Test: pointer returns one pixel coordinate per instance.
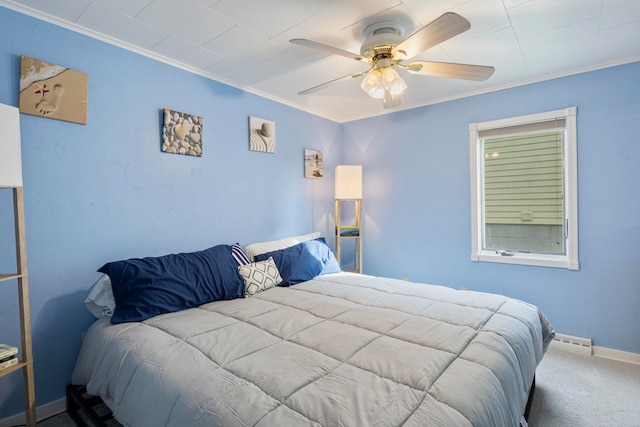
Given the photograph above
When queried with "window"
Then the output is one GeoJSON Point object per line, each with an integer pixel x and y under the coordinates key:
{"type": "Point", "coordinates": [524, 197]}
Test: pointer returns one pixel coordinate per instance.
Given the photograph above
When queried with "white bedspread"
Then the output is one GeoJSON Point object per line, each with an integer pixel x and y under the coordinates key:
{"type": "Point", "coordinates": [340, 350]}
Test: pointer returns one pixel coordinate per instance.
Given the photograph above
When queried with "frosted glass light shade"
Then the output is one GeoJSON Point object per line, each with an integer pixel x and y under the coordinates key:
{"type": "Point", "coordinates": [372, 84]}
{"type": "Point", "coordinates": [392, 81]}
{"type": "Point", "coordinates": [348, 182]}
{"type": "Point", "coordinates": [10, 158]}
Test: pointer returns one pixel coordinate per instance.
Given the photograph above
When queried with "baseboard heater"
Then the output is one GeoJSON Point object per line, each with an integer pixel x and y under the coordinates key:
{"type": "Point", "coordinates": [571, 344]}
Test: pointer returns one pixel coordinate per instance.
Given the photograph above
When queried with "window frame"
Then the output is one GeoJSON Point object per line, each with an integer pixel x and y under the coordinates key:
{"type": "Point", "coordinates": [570, 165]}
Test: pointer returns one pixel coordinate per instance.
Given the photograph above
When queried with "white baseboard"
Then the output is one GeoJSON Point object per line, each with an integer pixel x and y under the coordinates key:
{"type": "Point", "coordinates": [42, 413]}
{"type": "Point", "coordinates": [622, 356]}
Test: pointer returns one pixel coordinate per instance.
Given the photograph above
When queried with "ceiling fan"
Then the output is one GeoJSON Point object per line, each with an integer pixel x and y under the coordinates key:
{"type": "Point", "coordinates": [384, 48]}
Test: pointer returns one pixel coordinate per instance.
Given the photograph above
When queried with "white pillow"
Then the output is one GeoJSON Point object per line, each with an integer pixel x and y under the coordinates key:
{"type": "Point", "coordinates": [274, 245]}
{"type": "Point", "coordinates": [100, 301]}
{"type": "Point", "coordinates": [259, 276]}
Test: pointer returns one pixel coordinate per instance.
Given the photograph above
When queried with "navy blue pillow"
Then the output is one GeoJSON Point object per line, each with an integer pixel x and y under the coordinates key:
{"type": "Point", "coordinates": [146, 287]}
{"type": "Point", "coordinates": [303, 261]}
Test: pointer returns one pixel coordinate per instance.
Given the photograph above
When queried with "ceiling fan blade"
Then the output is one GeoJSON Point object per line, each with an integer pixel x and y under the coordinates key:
{"type": "Point", "coordinates": [477, 73]}
{"type": "Point", "coordinates": [441, 29]}
{"type": "Point", "coordinates": [331, 83]}
{"type": "Point", "coordinates": [329, 49]}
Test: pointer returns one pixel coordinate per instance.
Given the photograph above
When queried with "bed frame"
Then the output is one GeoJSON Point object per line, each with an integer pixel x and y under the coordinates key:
{"type": "Point", "coordinates": [80, 402]}
{"type": "Point", "coordinates": [83, 407]}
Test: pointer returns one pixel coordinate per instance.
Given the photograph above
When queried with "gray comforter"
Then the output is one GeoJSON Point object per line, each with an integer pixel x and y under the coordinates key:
{"type": "Point", "coordinates": [340, 350]}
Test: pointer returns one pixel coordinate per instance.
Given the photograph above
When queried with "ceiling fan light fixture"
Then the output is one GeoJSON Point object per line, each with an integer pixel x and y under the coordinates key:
{"type": "Point", "coordinates": [379, 93]}
{"type": "Point", "coordinates": [372, 84]}
{"type": "Point", "coordinates": [390, 100]}
{"type": "Point", "coordinates": [392, 81]}
{"type": "Point", "coordinates": [381, 83]}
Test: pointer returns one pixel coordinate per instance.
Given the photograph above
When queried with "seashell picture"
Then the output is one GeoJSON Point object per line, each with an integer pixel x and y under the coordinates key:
{"type": "Point", "coordinates": [181, 133]}
{"type": "Point", "coordinates": [262, 135]}
{"type": "Point", "coordinates": [52, 91]}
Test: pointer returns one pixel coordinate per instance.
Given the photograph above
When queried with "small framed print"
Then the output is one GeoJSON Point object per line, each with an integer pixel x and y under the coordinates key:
{"type": "Point", "coordinates": [313, 167]}
{"type": "Point", "coordinates": [262, 135]}
{"type": "Point", "coordinates": [181, 133]}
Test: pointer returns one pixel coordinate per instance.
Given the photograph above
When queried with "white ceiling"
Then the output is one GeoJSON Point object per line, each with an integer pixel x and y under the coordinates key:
{"type": "Point", "coordinates": [245, 43]}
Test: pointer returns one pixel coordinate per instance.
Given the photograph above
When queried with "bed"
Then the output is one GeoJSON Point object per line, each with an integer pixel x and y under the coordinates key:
{"type": "Point", "coordinates": [339, 349]}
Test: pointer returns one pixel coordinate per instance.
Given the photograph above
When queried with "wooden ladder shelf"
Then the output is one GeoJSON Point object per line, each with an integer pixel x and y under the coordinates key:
{"type": "Point", "coordinates": [22, 277]}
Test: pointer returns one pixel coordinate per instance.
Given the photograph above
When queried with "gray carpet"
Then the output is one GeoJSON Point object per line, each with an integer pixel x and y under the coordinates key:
{"type": "Point", "coordinates": [571, 390]}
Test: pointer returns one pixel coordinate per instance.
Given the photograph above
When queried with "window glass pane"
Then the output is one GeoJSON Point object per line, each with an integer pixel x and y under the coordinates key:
{"type": "Point", "coordinates": [523, 187]}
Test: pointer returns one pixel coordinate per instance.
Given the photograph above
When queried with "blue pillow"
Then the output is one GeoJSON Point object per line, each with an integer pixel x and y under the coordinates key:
{"type": "Point", "coordinates": [146, 287]}
{"type": "Point", "coordinates": [303, 261]}
{"type": "Point", "coordinates": [331, 264]}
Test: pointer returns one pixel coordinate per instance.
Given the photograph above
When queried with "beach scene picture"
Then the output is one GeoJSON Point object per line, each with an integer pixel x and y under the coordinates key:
{"type": "Point", "coordinates": [313, 164]}
{"type": "Point", "coordinates": [181, 133]}
{"type": "Point", "coordinates": [52, 91]}
{"type": "Point", "coordinates": [262, 135]}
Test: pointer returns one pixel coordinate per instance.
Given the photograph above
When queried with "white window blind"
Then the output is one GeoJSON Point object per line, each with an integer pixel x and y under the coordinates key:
{"type": "Point", "coordinates": [524, 190]}
{"type": "Point", "coordinates": [523, 179]}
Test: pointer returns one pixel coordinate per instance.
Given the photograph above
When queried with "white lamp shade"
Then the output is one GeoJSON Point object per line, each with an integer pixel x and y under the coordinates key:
{"type": "Point", "coordinates": [348, 182]}
{"type": "Point", "coordinates": [10, 158]}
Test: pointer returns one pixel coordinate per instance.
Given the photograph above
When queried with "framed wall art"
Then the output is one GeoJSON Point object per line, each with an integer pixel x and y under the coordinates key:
{"type": "Point", "coordinates": [181, 133]}
{"type": "Point", "coordinates": [52, 91]}
{"type": "Point", "coordinates": [262, 135]}
{"type": "Point", "coordinates": [313, 167]}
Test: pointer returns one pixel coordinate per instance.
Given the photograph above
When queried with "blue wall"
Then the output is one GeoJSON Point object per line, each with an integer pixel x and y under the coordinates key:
{"type": "Point", "coordinates": [105, 191]}
{"type": "Point", "coordinates": [417, 201]}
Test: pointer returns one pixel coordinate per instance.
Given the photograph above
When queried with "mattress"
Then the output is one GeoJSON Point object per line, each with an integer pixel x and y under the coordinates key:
{"type": "Point", "coordinates": [339, 350]}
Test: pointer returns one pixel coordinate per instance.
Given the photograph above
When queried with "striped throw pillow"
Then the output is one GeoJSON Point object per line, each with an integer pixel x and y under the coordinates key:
{"type": "Point", "coordinates": [238, 254]}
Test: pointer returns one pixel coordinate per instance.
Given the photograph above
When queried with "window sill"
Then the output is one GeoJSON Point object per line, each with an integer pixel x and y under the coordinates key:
{"type": "Point", "coordinates": [556, 261]}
